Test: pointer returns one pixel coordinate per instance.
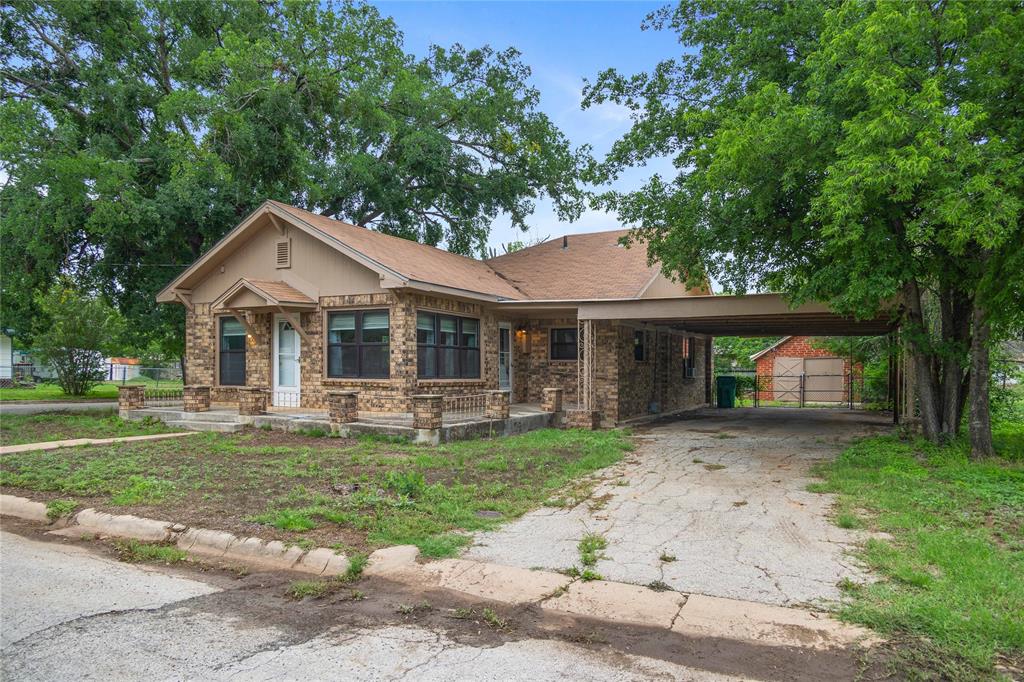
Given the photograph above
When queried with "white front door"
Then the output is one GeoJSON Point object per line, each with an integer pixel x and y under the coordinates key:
{"type": "Point", "coordinates": [287, 348]}
{"type": "Point", "coordinates": [504, 356]}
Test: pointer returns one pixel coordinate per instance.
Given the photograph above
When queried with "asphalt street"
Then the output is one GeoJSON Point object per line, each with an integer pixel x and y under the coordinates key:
{"type": "Point", "coordinates": [72, 612]}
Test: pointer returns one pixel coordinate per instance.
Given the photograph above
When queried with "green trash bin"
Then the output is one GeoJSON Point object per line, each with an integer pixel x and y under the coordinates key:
{"type": "Point", "coordinates": [726, 391]}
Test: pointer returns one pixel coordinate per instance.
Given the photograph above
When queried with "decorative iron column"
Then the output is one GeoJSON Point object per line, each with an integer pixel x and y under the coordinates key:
{"type": "Point", "coordinates": [585, 363]}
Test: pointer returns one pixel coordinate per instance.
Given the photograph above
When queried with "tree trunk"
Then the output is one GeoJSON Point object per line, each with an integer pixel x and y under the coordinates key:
{"type": "Point", "coordinates": [956, 331]}
{"type": "Point", "coordinates": [927, 384]}
{"type": "Point", "coordinates": [980, 415]}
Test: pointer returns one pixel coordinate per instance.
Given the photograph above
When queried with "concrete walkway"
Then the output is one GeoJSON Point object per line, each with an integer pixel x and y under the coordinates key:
{"type": "Point", "coordinates": [75, 442]}
{"type": "Point", "coordinates": [714, 504]}
{"type": "Point", "coordinates": [44, 407]}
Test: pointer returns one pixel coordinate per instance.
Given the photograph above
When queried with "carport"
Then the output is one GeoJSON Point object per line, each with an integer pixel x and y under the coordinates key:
{"type": "Point", "coordinates": [740, 315]}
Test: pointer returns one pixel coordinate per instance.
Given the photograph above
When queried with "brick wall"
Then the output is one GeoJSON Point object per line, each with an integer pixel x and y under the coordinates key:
{"type": "Point", "coordinates": [794, 347]}
{"type": "Point", "coordinates": [660, 377]}
{"type": "Point", "coordinates": [381, 395]}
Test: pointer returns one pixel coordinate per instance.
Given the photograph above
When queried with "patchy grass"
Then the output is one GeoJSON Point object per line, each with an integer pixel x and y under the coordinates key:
{"type": "Point", "coordinates": [16, 429]}
{"type": "Point", "coordinates": [56, 509]}
{"type": "Point", "coordinates": [590, 547]}
{"type": "Point", "coordinates": [952, 588]}
{"type": "Point", "coordinates": [134, 551]}
{"type": "Point", "coordinates": [356, 494]}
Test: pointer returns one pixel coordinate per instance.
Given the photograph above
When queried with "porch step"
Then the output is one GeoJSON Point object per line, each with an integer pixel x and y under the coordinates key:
{"type": "Point", "coordinates": [171, 415]}
{"type": "Point", "coordinates": [197, 425]}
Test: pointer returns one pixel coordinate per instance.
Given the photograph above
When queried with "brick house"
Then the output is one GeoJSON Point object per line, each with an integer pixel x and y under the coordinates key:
{"type": "Point", "coordinates": [297, 303]}
{"type": "Point", "coordinates": [796, 363]}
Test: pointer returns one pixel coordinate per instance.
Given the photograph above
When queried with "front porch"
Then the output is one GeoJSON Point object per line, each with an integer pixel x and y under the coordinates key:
{"type": "Point", "coordinates": [434, 418]}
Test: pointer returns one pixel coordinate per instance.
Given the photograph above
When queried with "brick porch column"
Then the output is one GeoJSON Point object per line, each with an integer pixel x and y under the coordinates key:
{"type": "Point", "coordinates": [343, 407]}
{"type": "Point", "coordinates": [497, 406]}
{"type": "Point", "coordinates": [426, 411]}
{"type": "Point", "coordinates": [130, 398]}
{"type": "Point", "coordinates": [196, 398]}
{"type": "Point", "coordinates": [252, 400]}
{"type": "Point", "coordinates": [552, 400]}
{"type": "Point", "coordinates": [589, 420]}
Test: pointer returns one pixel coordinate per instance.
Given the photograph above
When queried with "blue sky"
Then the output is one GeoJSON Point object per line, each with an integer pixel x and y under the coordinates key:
{"type": "Point", "coordinates": [563, 43]}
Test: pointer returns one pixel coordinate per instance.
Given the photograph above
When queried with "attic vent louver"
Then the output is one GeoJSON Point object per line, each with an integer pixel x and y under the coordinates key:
{"type": "Point", "coordinates": [565, 241]}
{"type": "Point", "coordinates": [284, 253]}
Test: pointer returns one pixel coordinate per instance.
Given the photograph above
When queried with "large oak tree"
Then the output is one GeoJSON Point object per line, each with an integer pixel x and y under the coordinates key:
{"type": "Point", "coordinates": [135, 134]}
{"type": "Point", "coordinates": [856, 152]}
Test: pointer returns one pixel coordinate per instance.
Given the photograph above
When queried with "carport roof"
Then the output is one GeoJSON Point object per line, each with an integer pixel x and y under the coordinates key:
{"type": "Point", "coordinates": [729, 315]}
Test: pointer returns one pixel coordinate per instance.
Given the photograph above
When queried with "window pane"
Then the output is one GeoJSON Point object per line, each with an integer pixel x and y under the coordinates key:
{"type": "Point", "coordinates": [448, 331]}
{"type": "Point", "coordinates": [471, 333]}
{"type": "Point", "coordinates": [449, 367]}
{"type": "Point", "coordinates": [425, 328]}
{"type": "Point", "coordinates": [426, 362]}
{"type": "Point", "coordinates": [563, 344]}
{"type": "Point", "coordinates": [232, 368]}
{"type": "Point", "coordinates": [375, 361]}
{"type": "Point", "coordinates": [375, 326]}
{"type": "Point", "coordinates": [341, 328]}
{"type": "Point", "coordinates": [471, 363]}
{"type": "Point", "coordinates": [232, 334]}
{"type": "Point", "coordinates": [341, 361]}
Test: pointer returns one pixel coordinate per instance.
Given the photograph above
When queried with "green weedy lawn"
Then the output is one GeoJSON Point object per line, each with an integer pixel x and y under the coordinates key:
{"type": "Point", "coordinates": [952, 588]}
{"type": "Point", "coordinates": [105, 391]}
{"type": "Point", "coordinates": [312, 490]}
{"type": "Point", "coordinates": [37, 428]}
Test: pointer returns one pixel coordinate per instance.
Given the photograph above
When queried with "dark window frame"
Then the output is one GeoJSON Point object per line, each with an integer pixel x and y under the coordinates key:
{"type": "Point", "coordinates": [564, 346]}
{"type": "Point", "coordinates": [358, 344]}
{"type": "Point", "coordinates": [465, 369]}
{"type": "Point", "coordinates": [222, 351]}
{"type": "Point", "coordinates": [689, 359]}
{"type": "Point", "coordinates": [640, 346]}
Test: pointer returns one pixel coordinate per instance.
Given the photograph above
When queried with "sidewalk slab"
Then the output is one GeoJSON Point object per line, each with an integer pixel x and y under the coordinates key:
{"type": "Point", "coordinates": [704, 616]}
{"type": "Point", "coordinates": [75, 442]}
{"type": "Point", "coordinates": [506, 584]}
{"type": "Point", "coordinates": [618, 602]}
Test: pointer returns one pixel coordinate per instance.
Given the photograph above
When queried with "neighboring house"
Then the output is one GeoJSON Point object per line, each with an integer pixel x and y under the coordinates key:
{"type": "Point", "coordinates": [123, 369]}
{"type": "Point", "coordinates": [298, 303]}
{"type": "Point", "coordinates": [793, 364]}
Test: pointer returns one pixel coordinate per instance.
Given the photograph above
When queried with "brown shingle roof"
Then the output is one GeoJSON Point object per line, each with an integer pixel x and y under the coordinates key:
{"type": "Point", "coordinates": [280, 291]}
{"type": "Point", "coordinates": [411, 259]}
{"type": "Point", "coordinates": [592, 266]}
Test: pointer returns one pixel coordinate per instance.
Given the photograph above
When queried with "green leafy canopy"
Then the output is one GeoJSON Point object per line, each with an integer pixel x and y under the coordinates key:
{"type": "Point", "coordinates": [134, 134]}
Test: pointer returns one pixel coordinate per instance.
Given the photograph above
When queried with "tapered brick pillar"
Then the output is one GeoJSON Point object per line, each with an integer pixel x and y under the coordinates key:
{"type": "Point", "coordinates": [252, 400]}
{"type": "Point", "coordinates": [427, 411]}
{"type": "Point", "coordinates": [196, 398]}
{"type": "Point", "coordinates": [130, 398]}
{"type": "Point", "coordinates": [497, 406]}
{"type": "Point", "coordinates": [343, 406]}
{"type": "Point", "coordinates": [551, 400]}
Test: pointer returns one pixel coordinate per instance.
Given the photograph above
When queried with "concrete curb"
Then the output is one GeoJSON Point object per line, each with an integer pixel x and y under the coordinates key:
{"type": "Point", "coordinates": [75, 442]}
{"type": "Point", "coordinates": [689, 615]}
{"type": "Point", "coordinates": [198, 542]}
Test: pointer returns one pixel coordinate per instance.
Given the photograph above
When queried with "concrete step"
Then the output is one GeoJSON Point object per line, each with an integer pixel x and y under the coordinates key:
{"type": "Point", "coordinates": [196, 425]}
{"type": "Point", "coordinates": [169, 415]}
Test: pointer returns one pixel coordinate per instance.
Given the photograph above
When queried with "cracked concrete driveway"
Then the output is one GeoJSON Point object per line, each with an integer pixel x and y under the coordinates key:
{"type": "Point", "coordinates": [711, 503]}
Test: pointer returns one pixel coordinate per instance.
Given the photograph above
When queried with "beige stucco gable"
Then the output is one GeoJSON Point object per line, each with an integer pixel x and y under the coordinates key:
{"type": "Point", "coordinates": [315, 268]}
{"type": "Point", "coordinates": [663, 287]}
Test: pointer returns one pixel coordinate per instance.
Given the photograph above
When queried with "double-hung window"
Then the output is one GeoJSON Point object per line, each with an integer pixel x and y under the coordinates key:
{"type": "Point", "coordinates": [231, 345]}
{"type": "Point", "coordinates": [358, 344]}
{"type": "Point", "coordinates": [563, 344]}
{"type": "Point", "coordinates": [447, 347]}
